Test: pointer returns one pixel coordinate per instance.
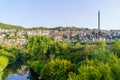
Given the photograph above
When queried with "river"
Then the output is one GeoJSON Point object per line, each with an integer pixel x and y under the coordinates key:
{"type": "Point", "coordinates": [21, 73]}
{"type": "Point", "coordinates": [17, 77]}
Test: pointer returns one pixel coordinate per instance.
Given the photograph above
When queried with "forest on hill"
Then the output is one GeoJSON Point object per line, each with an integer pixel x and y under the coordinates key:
{"type": "Point", "coordinates": [50, 60]}
{"type": "Point", "coordinates": [8, 26]}
{"type": "Point", "coordinates": [57, 28]}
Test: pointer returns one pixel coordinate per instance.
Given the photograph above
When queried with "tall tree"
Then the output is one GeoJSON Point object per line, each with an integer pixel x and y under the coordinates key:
{"type": "Point", "coordinates": [37, 46]}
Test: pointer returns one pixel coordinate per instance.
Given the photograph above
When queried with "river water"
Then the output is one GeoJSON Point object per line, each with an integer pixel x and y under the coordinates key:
{"type": "Point", "coordinates": [17, 77]}
{"type": "Point", "coordinates": [21, 73]}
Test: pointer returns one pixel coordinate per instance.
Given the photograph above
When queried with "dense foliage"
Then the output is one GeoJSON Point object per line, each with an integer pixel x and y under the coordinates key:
{"type": "Point", "coordinates": [51, 60]}
{"type": "Point", "coordinates": [10, 56]}
{"type": "Point", "coordinates": [3, 64]}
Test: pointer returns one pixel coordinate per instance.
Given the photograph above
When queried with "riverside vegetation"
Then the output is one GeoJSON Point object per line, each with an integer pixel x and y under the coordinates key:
{"type": "Point", "coordinates": [51, 60]}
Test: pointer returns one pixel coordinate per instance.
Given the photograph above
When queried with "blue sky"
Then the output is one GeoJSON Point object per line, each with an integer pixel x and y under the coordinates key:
{"type": "Point", "coordinates": [53, 13]}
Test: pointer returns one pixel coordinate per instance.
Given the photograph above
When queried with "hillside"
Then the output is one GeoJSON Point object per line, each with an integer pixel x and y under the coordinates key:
{"type": "Point", "coordinates": [57, 28]}
{"type": "Point", "coordinates": [8, 26]}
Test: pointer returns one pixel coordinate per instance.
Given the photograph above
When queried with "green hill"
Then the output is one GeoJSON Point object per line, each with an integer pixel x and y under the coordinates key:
{"type": "Point", "coordinates": [8, 26]}
{"type": "Point", "coordinates": [57, 28]}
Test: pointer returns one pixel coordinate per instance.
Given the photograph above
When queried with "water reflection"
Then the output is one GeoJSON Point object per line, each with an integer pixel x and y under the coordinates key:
{"type": "Point", "coordinates": [21, 73]}
{"type": "Point", "coordinates": [18, 77]}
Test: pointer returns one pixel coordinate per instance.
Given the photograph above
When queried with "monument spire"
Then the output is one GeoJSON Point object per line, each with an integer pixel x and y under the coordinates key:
{"type": "Point", "coordinates": [98, 20]}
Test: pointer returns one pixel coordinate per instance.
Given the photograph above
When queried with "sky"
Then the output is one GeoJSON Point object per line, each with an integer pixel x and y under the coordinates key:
{"type": "Point", "coordinates": [53, 13]}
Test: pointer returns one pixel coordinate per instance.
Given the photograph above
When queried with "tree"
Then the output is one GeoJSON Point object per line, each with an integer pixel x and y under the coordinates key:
{"type": "Point", "coordinates": [72, 76]}
{"type": "Point", "coordinates": [93, 70]}
{"type": "Point", "coordinates": [37, 46]}
{"type": "Point", "coordinates": [3, 63]}
{"type": "Point", "coordinates": [102, 45]}
{"type": "Point", "coordinates": [89, 73]}
{"type": "Point", "coordinates": [60, 49]}
{"type": "Point", "coordinates": [114, 63]}
{"type": "Point", "coordinates": [101, 55]}
{"type": "Point", "coordinates": [87, 49]}
{"type": "Point", "coordinates": [9, 55]}
{"type": "Point", "coordinates": [57, 69]}
{"type": "Point", "coordinates": [116, 47]}
{"type": "Point", "coordinates": [77, 46]}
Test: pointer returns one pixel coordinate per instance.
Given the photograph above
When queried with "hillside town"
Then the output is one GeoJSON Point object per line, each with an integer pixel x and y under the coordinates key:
{"type": "Point", "coordinates": [70, 35]}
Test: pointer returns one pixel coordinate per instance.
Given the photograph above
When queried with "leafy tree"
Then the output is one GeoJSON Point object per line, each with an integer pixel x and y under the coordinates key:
{"type": "Point", "coordinates": [116, 47]}
{"type": "Point", "coordinates": [93, 70]}
{"type": "Point", "coordinates": [77, 37]}
{"type": "Point", "coordinates": [87, 49]}
{"type": "Point", "coordinates": [102, 55]}
{"type": "Point", "coordinates": [14, 53]}
{"type": "Point", "coordinates": [114, 63]}
{"type": "Point", "coordinates": [3, 63]}
{"type": "Point", "coordinates": [89, 73]}
{"type": "Point", "coordinates": [60, 49]}
{"type": "Point", "coordinates": [77, 46]}
{"type": "Point", "coordinates": [37, 46]}
{"type": "Point", "coordinates": [105, 71]}
{"type": "Point", "coordinates": [7, 54]}
{"type": "Point", "coordinates": [37, 66]}
{"type": "Point", "coordinates": [102, 45]}
{"type": "Point", "coordinates": [73, 76]}
{"type": "Point", "coordinates": [56, 69]}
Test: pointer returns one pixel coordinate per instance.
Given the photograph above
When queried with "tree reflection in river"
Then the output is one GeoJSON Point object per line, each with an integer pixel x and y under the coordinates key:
{"type": "Point", "coordinates": [16, 73]}
{"type": "Point", "coordinates": [18, 77]}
